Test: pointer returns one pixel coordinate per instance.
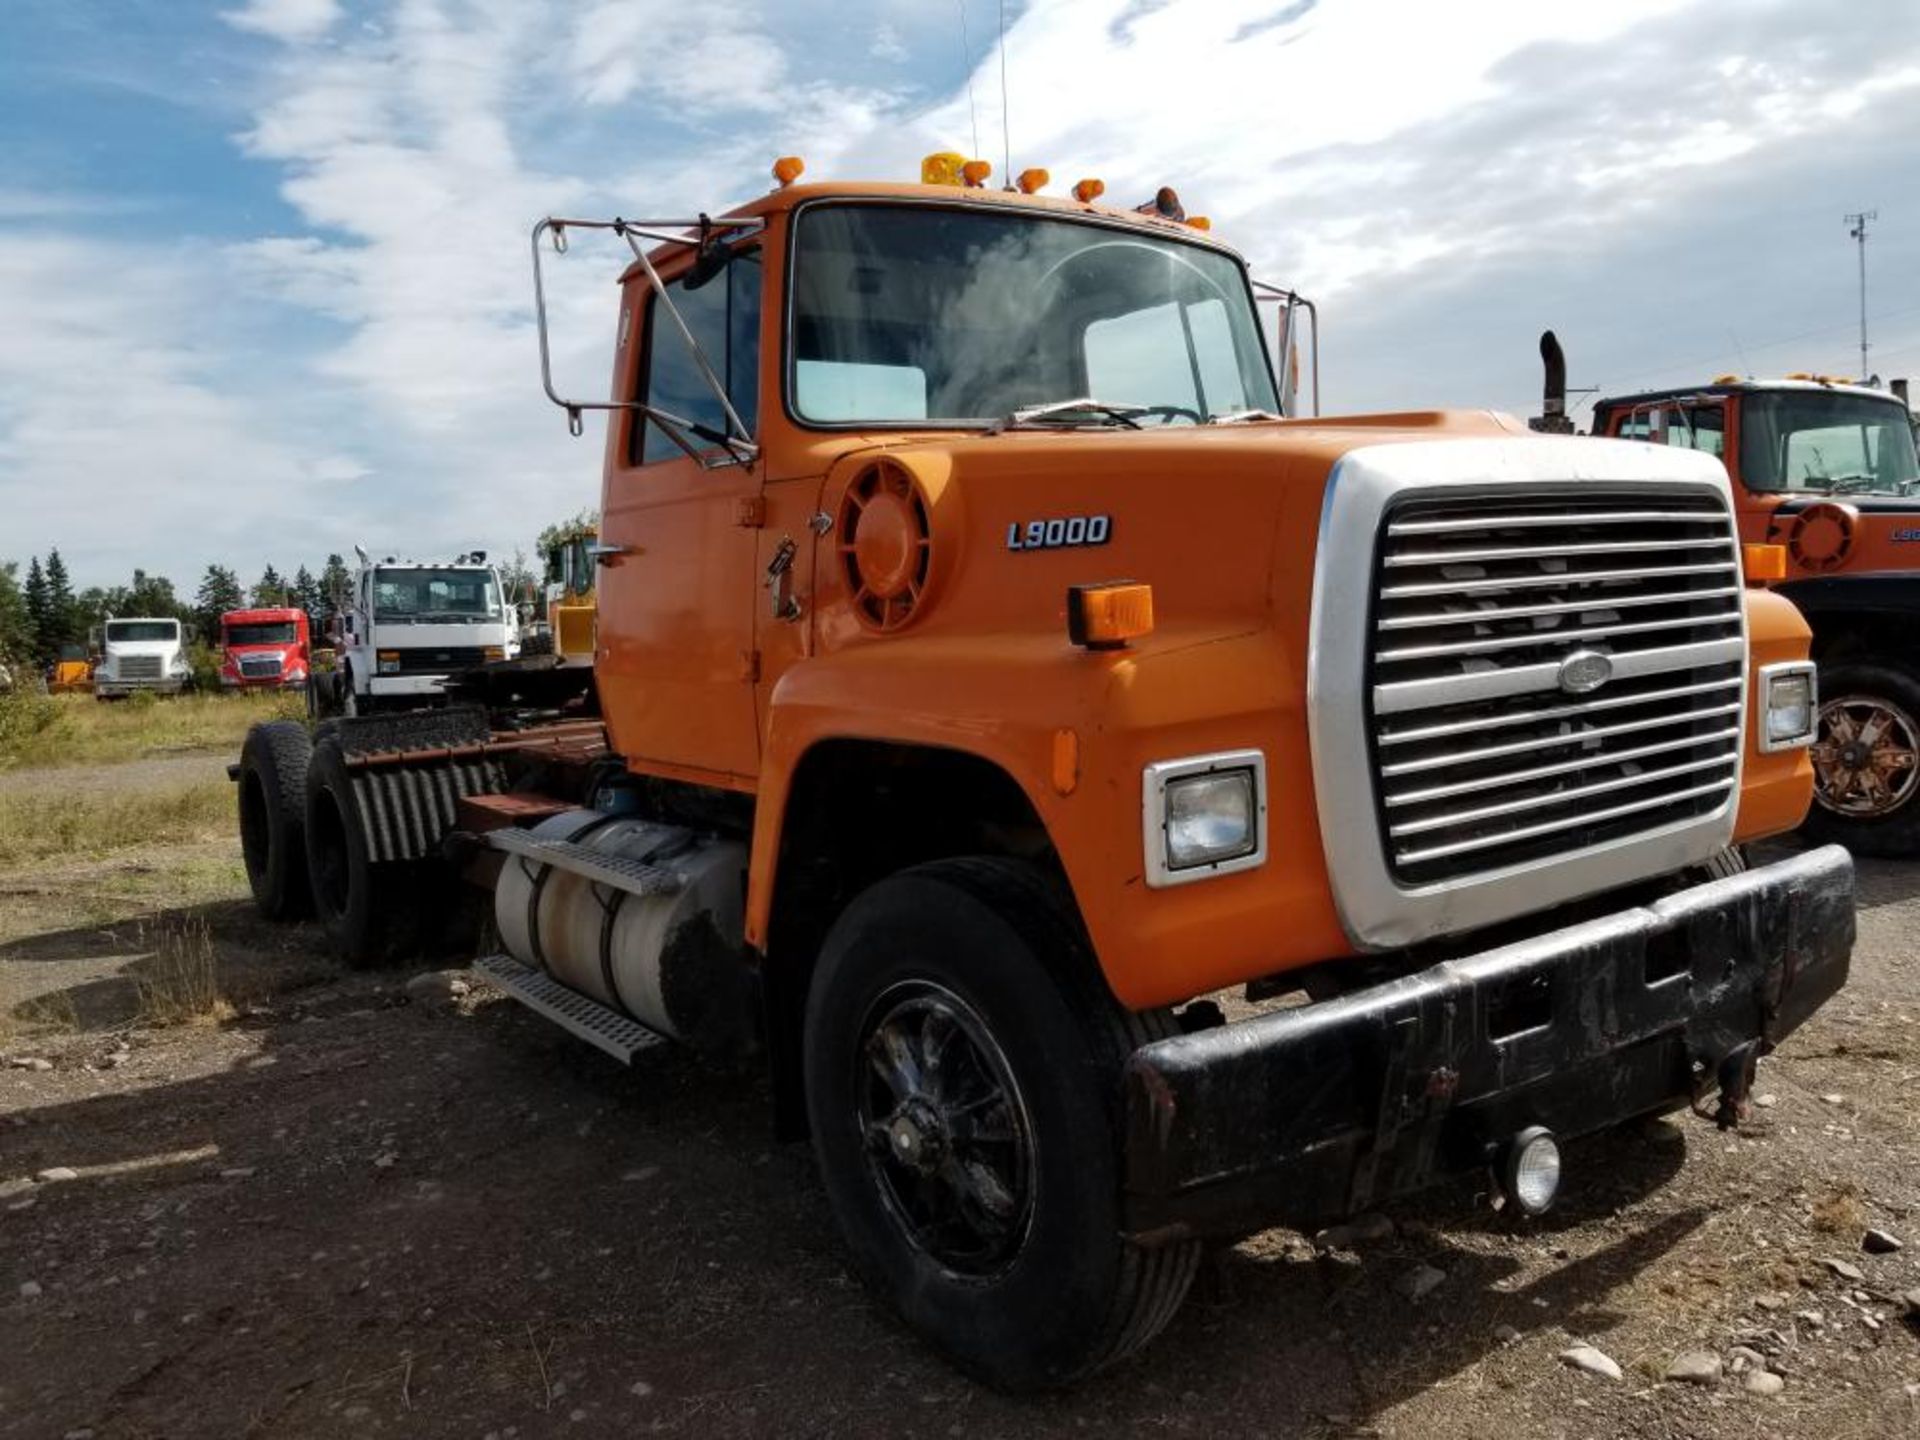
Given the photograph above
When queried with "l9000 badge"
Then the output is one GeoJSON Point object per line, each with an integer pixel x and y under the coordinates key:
{"type": "Point", "coordinates": [1060, 533]}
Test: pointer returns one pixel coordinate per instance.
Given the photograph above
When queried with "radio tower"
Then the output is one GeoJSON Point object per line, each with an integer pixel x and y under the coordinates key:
{"type": "Point", "coordinates": [1859, 233]}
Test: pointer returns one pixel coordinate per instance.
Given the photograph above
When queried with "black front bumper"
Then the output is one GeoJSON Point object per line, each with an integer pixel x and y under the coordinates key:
{"type": "Point", "coordinates": [1305, 1115]}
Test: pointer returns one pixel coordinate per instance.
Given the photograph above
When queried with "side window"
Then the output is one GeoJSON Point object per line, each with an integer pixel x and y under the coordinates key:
{"type": "Point", "coordinates": [724, 316]}
{"type": "Point", "coordinates": [1695, 427]}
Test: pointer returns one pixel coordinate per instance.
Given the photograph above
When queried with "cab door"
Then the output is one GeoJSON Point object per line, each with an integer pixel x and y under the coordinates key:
{"type": "Point", "coordinates": [675, 663]}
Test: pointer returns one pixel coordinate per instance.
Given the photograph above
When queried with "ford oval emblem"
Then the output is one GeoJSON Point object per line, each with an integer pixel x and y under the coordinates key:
{"type": "Point", "coordinates": [1584, 671]}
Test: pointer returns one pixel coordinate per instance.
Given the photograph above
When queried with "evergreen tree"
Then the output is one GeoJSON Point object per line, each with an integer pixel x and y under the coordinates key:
{"type": "Point", "coordinates": [219, 592]}
{"type": "Point", "coordinates": [336, 589]}
{"type": "Point", "coordinates": [150, 595]}
{"type": "Point", "coordinates": [16, 632]}
{"type": "Point", "coordinates": [304, 594]}
{"type": "Point", "coordinates": [270, 590]}
{"type": "Point", "coordinates": [36, 599]}
{"type": "Point", "coordinates": [61, 616]}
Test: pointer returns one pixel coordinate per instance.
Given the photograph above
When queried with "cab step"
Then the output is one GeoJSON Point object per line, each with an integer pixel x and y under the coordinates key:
{"type": "Point", "coordinates": [622, 872]}
{"type": "Point", "coordinates": [593, 1022]}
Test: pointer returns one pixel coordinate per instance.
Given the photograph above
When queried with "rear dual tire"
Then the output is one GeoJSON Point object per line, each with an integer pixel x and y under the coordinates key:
{"type": "Point", "coordinates": [273, 802]}
{"type": "Point", "coordinates": [962, 1060]}
{"type": "Point", "coordinates": [374, 913]}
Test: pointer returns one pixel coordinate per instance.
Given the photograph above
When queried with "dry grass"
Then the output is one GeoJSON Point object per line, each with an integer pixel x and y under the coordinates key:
{"type": "Point", "coordinates": [40, 824]}
{"type": "Point", "coordinates": [181, 983]}
{"type": "Point", "coordinates": [38, 730]}
{"type": "Point", "coordinates": [1839, 1211]}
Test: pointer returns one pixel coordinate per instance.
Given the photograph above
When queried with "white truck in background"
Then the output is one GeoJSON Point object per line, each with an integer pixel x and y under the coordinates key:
{"type": "Point", "coordinates": [141, 653]}
{"type": "Point", "coordinates": [405, 626]}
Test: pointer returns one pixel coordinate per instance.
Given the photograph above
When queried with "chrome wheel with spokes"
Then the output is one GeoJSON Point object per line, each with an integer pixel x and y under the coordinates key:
{"type": "Point", "coordinates": [949, 1141]}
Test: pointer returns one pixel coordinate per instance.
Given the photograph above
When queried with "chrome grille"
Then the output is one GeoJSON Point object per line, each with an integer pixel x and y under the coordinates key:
{"type": "Point", "coordinates": [1481, 758]}
{"type": "Point", "coordinates": [139, 667]}
{"type": "Point", "coordinates": [259, 667]}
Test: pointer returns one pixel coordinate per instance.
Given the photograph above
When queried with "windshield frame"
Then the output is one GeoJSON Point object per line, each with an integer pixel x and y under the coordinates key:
{"type": "Point", "coordinates": [497, 599]}
{"type": "Point", "coordinates": [1198, 240]}
{"type": "Point", "coordinates": [228, 631]}
{"type": "Point", "coordinates": [1901, 418]}
{"type": "Point", "coordinates": [107, 637]}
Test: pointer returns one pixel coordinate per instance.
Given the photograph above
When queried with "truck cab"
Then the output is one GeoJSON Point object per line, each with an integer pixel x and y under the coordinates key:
{"type": "Point", "coordinates": [1825, 470]}
{"type": "Point", "coordinates": [408, 625]}
{"type": "Point", "coordinates": [265, 649]}
{"type": "Point", "coordinates": [1117, 813]}
{"type": "Point", "coordinates": [141, 654]}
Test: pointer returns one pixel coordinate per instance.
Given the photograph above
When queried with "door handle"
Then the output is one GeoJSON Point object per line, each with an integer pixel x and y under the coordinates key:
{"type": "Point", "coordinates": [605, 554]}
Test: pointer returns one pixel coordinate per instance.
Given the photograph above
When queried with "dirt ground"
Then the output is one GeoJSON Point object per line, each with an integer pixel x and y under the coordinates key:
{"type": "Point", "coordinates": [338, 1210]}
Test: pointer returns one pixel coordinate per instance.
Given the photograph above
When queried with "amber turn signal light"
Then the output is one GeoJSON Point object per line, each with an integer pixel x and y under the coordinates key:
{"type": "Point", "coordinates": [1106, 617]}
{"type": "Point", "coordinates": [1763, 563]}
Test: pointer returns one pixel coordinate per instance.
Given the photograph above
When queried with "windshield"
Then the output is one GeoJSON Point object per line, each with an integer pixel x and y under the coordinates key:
{"type": "Point", "coordinates": [1827, 441]}
{"type": "Point", "coordinates": [426, 593]}
{"type": "Point", "coordinates": [122, 630]}
{"type": "Point", "coordinates": [267, 632]}
{"type": "Point", "coordinates": [936, 314]}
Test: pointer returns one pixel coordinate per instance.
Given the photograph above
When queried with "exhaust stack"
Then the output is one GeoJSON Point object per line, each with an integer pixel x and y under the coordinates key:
{"type": "Point", "coordinates": [1552, 419]}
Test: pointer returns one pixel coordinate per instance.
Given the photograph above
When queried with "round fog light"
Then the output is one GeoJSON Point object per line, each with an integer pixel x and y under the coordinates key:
{"type": "Point", "coordinates": [1530, 1174]}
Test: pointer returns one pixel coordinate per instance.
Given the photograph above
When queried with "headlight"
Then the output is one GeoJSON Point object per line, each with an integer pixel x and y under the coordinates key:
{"type": "Point", "coordinates": [178, 665]}
{"type": "Point", "coordinates": [1205, 816]}
{"type": "Point", "coordinates": [389, 662]}
{"type": "Point", "coordinates": [1790, 700]}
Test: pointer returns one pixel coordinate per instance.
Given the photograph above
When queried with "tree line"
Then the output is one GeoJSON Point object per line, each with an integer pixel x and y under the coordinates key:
{"type": "Point", "coordinates": [41, 613]}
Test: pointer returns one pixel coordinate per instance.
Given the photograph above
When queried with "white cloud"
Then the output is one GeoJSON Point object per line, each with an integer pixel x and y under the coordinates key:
{"type": "Point", "coordinates": [1658, 175]}
{"type": "Point", "coordinates": [288, 20]}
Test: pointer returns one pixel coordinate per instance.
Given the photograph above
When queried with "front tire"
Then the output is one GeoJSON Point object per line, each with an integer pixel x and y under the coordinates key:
{"type": "Point", "coordinates": [1866, 760]}
{"type": "Point", "coordinates": [962, 1060]}
{"type": "Point", "coordinates": [273, 818]}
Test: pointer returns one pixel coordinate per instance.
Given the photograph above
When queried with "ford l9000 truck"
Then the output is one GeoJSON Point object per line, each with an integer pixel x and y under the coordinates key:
{"type": "Point", "coordinates": [1117, 813]}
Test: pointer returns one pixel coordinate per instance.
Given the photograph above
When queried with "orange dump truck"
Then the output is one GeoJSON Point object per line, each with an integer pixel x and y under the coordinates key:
{"type": "Point", "coordinates": [998, 691]}
{"type": "Point", "coordinates": [1825, 469]}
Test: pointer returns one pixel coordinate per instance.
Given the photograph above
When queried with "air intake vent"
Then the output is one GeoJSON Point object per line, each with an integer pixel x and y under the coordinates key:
{"type": "Point", "coordinates": [1551, 674]}
{"type": "Point", "coordinates": [885, 546]}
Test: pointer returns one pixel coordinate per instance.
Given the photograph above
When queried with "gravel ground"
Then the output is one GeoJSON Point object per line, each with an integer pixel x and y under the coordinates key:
{"type": "Point", "coordinates": [356, 1210]}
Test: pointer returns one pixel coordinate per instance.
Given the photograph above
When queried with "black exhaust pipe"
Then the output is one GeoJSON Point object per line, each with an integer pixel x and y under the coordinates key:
{"type": "Point", "coordinates": [1552, 419]}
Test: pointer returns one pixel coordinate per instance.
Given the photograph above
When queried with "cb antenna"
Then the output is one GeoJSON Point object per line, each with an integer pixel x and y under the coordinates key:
{"type": "Point", "coordinates": [1859, 233]}
{"type": "Point", "coordinates": [966, 55]}
{"type": "Point", "coordinates": [1006, 125]}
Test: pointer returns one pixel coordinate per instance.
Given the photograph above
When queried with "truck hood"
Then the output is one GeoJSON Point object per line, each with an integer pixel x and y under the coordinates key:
{"type": "Point", "coordinates": [118, 648]}
{"type": "Point", "coordinates": [1219, 520]}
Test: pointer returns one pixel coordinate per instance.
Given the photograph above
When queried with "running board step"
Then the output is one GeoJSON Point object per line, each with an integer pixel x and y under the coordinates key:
{"type": "Point", "coordinates": [593, 1022]}
{"type": "Point", "coordinates": [636, 877]}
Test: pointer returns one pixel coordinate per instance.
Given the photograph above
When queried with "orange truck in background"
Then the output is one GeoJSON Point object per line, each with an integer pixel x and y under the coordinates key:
{"type": "Point", "coordinates": [1824, 471]}
{"type": "Point", "coordinates": [998, 690]}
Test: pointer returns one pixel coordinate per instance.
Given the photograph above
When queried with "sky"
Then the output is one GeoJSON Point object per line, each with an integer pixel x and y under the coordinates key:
{"type": "Point", "coordinates": [263, 263]}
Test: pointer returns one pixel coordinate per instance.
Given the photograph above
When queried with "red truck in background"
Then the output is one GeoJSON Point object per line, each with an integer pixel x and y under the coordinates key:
{"type": "Point", "coordinates": [265, 649]}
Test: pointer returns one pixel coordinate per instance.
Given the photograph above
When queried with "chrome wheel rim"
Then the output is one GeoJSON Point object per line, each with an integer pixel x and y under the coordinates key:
{"type": "Point", "coordinates": [948, 1140]}
{"type": "Point", "coordinates": [1866, 758]}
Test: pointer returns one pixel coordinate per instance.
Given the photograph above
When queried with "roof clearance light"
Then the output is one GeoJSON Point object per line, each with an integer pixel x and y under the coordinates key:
{"type": "Point", "coordinates": [975, 173]}
{"type": "Point", "coordinates": [1165, 203]}
{"type": "Point", "coordinates": [1088, 190]}
{"type": "Point", "coordinates": [1726, 379]}
{"type": "Point", "coordinates": [1033, 181]}
{"type": "Point", "coordinates": [1200, 222]}
{"type": "Point", "coordinates": [787, 169]}
{"type": "Point", "coordinates": [942, 168]}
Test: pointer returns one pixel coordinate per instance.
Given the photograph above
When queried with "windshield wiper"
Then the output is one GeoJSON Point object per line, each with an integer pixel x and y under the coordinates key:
{"type": "Point", "coordinates": [1055, 412]}
{"type": "Point", "coordinates": [1240, 417]}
